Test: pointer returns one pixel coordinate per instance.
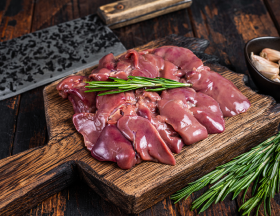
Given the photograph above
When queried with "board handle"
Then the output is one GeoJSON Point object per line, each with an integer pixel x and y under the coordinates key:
{"type": "Point", "coordinates": [126, 12]}
{"type": "Point", "coordinates": [33, 175]}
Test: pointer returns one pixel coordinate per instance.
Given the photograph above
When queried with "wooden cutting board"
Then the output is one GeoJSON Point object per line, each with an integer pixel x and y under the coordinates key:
{"type": "Point", "coordinates": [31, 176]}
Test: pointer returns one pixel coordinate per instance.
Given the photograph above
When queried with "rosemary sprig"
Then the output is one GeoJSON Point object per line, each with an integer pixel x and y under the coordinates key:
{"type": "Point", "coordinates": [132, 83]}
{"type": "Point", "coordinates": [260, 165]}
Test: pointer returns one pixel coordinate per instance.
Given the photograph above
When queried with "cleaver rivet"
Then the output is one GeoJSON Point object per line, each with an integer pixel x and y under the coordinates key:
{"type": "Point", "coordinates": [120, 7]}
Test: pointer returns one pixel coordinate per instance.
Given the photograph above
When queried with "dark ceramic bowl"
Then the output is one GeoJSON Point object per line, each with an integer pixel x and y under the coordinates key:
{"type": "Point", "coordinates": [265, 85]}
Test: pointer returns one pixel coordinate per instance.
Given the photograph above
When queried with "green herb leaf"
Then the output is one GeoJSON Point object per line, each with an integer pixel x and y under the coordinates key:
{"type": "Point", "coordinates": [260, 165]}
{"type": "Point", "coordinates": [133, 82]}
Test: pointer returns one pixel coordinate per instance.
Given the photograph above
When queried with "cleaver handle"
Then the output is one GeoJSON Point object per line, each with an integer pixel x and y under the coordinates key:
{"type": "Point", "coordinates": [126, 12]}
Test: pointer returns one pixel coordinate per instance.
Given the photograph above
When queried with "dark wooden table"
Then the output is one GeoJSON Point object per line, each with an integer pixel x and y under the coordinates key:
{"type": "Point", "coordinates": [227, 24]}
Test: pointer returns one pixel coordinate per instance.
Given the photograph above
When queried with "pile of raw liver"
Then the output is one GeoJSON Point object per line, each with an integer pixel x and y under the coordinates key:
{"type": "Point", "coordinates": [131, 127]}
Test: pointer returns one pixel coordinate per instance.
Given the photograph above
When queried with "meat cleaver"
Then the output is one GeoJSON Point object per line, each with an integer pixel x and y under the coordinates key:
{"type": "Point", "coordinates": [46, 55]}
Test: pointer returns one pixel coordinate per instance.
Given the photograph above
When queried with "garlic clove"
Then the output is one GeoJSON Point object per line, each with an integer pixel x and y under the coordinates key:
{"type": "Point", "coordinates": [277, 79]}
{"type": "Point", "coordinates": [270, 54]}
{"type": "Point", "coordinates": [267, 68]}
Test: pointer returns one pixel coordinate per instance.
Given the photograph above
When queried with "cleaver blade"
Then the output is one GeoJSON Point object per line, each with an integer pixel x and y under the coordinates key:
{"type": "Point", "coordinates": [46, 55]}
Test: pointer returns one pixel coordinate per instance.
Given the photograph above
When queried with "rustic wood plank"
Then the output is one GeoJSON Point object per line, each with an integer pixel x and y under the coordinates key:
{"type": "Point", "coordinates": [54, 205]}
{"type": "Point", "coordinates": [165, 207]}
{"type": "Point", "coordinates": [56, 159]}
{"type": "Point", "coordinates": [15, 20]}
{"type": "Point", "coordinates": [227, 207]}
{"type": "Point", "coordinates": [146, 31]}
{"type": "Point", "coordinates": [53, 201]}
{"type": "Point", "coordinates": [137, 34]}
{"type": "Point", "coordinates": [120, 179]}
{"type": "Point", "coordinates": [32, 129]}
{"type": "Point", "coordinates": [49, 13]}
{"type": "Point", "coordinates": [141, 33]}
{"type": "Point", "coordinates": [70, 201]}
{"type": "Point", "coordinates": [161, 28]}
{"type": "Point", "coordinates": [228, 26]}
{"type": "Point", "coordinates": [8, 110]}
{"type": "Point", "coordinates": [84, 201]}
{"type": "Point", "coordinates": [49, 169]}
{"type": "Point", "coordinates": [46, 16]}
{"type": "Point", "coordinates": [87, 7]}
{"type": "Point", "coordinates": [169, 29]}
{"type": "Point", "coordinates": [273, 6]}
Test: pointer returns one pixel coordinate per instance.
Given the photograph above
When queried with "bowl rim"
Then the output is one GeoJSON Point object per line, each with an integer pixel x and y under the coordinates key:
{"type": "Point", "coordinates": [247, 56]}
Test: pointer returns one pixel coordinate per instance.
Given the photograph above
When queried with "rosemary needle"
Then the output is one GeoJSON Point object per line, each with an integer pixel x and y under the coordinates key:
{"type": "Point", "coordinates": [132, 83]}
{"type": "Point", "coordinates": [260, 165]}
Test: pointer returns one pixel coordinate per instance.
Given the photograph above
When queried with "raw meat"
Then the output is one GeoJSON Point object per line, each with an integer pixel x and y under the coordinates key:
{"type": "Point", "coordinates": [147, 105]}
{"type": "Point", "coordinates": [129, 64]}
{"type": "Point", "coordinates": [91, 125]}
{"type": "Point", "coordinates": [178, 115]}
{"type": "Point", "coordinates": [105, 67]}
{"type": "Point", "coordinates": [183, 58]}
{"type": "Point", "coordinates": [73, 87]}
{"type": "Point", "coordinates": [232, 102]}
{"type": "Point", "coordinates": [113, 146]}
{"type": "Point", "coordinates": [130, 127]}
{"type": "Point", "coordinates": [146, 139]}
{"type": "Point", "coordinates": [204, 108]}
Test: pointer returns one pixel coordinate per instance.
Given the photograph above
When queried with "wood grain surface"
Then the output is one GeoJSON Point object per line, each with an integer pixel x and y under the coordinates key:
{"type": "Point", "coordinates": [228, 25]}
{"type": "Point", "coordinates": [29, 177]}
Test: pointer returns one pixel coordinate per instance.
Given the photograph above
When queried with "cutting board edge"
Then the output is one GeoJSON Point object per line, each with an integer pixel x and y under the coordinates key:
{"type": "Point", "coordinates": [136, 203]}
{"type": "Point", "coordinates": [133, 202]}
{"type": "Point", "coordinates": [143, 206]}
{"type": "Point", "coordinates": [139, 209]}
